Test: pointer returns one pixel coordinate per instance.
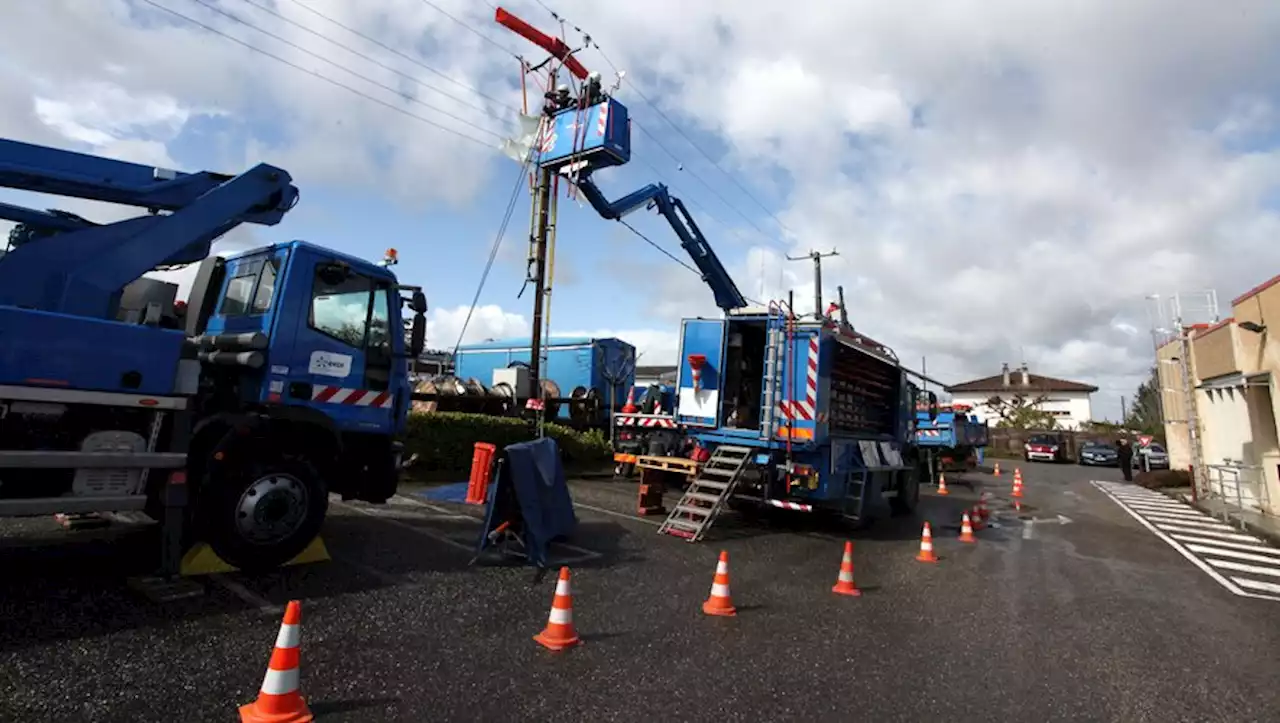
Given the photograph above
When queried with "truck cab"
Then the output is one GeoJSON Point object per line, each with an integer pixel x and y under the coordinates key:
{"type": "Point", "coordinates": [306, 347]}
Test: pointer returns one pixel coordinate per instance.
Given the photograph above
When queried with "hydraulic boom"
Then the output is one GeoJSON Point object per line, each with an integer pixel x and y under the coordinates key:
{"type": "Point", "coordinates": [715, 275]}
{"type": "Point", "coordinates": [63, 263]}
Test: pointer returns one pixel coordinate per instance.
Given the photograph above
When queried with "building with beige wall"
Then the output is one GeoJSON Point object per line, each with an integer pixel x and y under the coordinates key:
{"type": "Point", "coordinates": [1233, 367]}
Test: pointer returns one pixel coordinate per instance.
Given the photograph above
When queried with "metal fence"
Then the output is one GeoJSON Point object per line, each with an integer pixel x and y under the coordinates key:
{"type": "Point", "coordinates": [1237, 485]}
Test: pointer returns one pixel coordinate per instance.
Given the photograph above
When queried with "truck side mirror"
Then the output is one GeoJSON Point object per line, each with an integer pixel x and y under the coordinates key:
{"type": "Point", "coordinates": [418, 335]}
{"type": "Point", "coordinates": [418, 302]}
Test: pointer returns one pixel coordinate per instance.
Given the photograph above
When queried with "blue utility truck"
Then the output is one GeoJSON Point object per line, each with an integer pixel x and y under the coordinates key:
{"type": "Point", "coordinates": [952, 441]}
{"type": "Point", "coordinates": [803, 414]}
{"type": "Point", "coordinates": [229, 416]}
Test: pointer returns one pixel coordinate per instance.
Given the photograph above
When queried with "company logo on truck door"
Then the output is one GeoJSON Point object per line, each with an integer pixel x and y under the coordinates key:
{"type": "Point", "coordinates": [329, 364]}
{"type": "Point", "coordinates": [808, 408]}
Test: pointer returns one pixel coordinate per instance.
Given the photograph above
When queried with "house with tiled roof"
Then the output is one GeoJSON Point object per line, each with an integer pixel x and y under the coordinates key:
{"type": "Point", "coordinates": [1069, 402]}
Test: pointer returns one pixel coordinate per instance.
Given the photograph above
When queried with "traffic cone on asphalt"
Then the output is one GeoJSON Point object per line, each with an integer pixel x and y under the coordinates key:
{"type": "Point", "coordinates": [966, 529]}
{"type": "Point", "coordinates": [280, 700]}
{"type": "Point", "coordinates": [976, 518]}
{"type": "Point", "coordinates": [996, 472]}
{"type": "Point", "coordinates": [926, 545]}
{"type": "Point", "coordinates": [942, 484]}
{"type": "Point", "coordinates": [983, 512]}
{"type": "Point", "coordinates": [719, 602]}
{"type": "Point", "coordinates": [844, 581]}
{"type": "Point", "coordinates": [1017, 486]}
{"type": "Point", "coordinates": [560, 633]}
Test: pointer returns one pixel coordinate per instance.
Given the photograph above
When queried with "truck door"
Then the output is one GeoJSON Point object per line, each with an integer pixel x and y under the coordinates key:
{"type": "Point", "coordinates": [701, 371]}
{"type": "Point", "coordinates": [343, 353]}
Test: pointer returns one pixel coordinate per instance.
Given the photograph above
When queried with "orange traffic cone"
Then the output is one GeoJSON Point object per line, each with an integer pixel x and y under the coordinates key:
{"type": "Point", "coordinates": [280, 700]}
{"type": "Point", "coordinates": [719, 602]}
{"type": "Point", "coordinates": [942, 484]}
{"type": "Point", "coordinates": [844, 581]}
{"type": "Point", "coordinates": [1017, 486]}
{"type": "Point", "coordinates": [966, 529]}
{"type": "Point", "coordinates": [560, 633]}
{"type": "Point", "coordinates": [983, 512]}
{"type": "Point", "coordinates": [630, 406]}
{"type": "Point", "coordinates": [976, 518]}
{"type": "Point", "coordinates": [926, 545]}
{"type": "Point", "coordinates": [996, 472]}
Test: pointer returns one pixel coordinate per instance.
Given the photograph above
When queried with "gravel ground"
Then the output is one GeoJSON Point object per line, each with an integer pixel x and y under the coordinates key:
{"type": "Point", "coordinates": [1092, 620]}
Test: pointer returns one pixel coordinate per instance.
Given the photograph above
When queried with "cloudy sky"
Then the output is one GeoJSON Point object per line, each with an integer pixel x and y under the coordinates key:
{"type": "Point", "coordinates": [1002, 179]}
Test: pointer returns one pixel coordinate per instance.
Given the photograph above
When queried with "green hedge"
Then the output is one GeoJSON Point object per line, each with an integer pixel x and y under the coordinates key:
{"type": "Point", "coordinates": [1163, 479]}
{"type": "Point", "coordinates": [445, 441]}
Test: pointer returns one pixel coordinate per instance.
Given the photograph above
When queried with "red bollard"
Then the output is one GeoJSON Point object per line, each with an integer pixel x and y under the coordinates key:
{"type": "Point", "coordinates": [481, 472]}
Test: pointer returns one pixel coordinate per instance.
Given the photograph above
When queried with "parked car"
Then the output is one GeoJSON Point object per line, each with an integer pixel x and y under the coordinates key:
{"type": "Point", "coordinates": [1044, 448]}
{"type": "Point", "coordinates": [1099, 454]}
{"type": "Point", "coordinates": [1156, 455]}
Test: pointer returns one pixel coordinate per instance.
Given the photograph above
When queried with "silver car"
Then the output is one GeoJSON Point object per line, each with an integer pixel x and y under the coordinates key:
{"type": "Point", "coordinates": [1154, 456]}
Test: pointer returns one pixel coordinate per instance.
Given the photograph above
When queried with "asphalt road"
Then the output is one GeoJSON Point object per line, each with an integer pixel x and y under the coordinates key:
{"type": "Point", "coordinates": [1069, 610]}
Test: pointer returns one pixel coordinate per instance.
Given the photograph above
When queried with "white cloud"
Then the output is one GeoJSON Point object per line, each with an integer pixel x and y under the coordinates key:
{"type": "Point", "coordinates": [487, 322]}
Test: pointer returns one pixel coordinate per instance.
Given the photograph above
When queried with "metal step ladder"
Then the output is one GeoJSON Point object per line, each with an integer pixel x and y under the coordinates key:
{"type": "Point", "coordinates": [701, 503]}
{"type": "Point", "coordinates": [854, 495]}
{"type": "Point", "coordinates": [773, 386]}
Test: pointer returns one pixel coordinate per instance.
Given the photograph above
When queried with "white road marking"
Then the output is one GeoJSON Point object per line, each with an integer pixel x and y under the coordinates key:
{"type": "Point", "coordinates": [1241, 567]}
{"type": "Point", "coordinates": [1258, 585]}
{"type": "Point", "coordinates": [1255, 547]}
{"type": "Point", "coordinates": [1235, 554]}
{"type": "Point", "coordinates": [1202, 531]}
{"type": "Point", "coordinates": [1207, 540]}
{"type": "Point", "coordinates": [1189, 522]}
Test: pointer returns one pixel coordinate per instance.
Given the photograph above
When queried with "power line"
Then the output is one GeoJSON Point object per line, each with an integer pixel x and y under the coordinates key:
{"type": "Point", "coordinates": [596, 45]}
{"type": "Point", "coordinates": [472, 29]}
{"type": "Point", "coordinates": [343, 68]}
{"type": "Point", "coordinates": [379, 63]}
{"type": "Point", "coordinates": [315, 74]}
{"type": "Point", "coordinates": [691, 142]}
{"type": "Point", "coordinates": [709, 187]}
{"type": "Point", "coordinates": [657, 246]}
{"type": "Point", "coordinates": [406, 56]}
{"type": "Point", "coordinates": [402, 111]}
{"type": "Point", "coordinates": [493, 251]}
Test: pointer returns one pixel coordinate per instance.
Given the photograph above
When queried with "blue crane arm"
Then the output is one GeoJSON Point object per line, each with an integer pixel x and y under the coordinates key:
{"type": "Point", "coordinates": [63, 263]}
{"type": "Point", "coordinates": [695, 244]}
{"type": "Point", "coordinates": [28, 167]}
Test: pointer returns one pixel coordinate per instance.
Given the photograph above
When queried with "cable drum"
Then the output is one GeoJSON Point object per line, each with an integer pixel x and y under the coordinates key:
{"type": "Point", "coordinates": [585, 404]}
{"type": "Point", "coordinates": [425, 386]}
{"type": "Point", "coordinates": [551, 390]}
{"type": "Point", "coordinates": [502, 398]}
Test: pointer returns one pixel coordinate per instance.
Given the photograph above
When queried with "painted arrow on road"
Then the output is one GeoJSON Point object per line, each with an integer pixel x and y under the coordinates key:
{"type": "Point", "coordinates": [1059, 520]}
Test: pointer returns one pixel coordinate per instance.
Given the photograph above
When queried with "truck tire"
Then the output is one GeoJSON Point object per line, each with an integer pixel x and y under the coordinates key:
{"type": "Point", "coordinates": [260, 515]}
{"type": "Point", "coordinates": [908, 496]}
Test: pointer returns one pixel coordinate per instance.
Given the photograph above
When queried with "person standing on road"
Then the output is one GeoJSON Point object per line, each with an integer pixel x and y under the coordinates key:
{"type": "Point", "coordinates": [1125, 454]}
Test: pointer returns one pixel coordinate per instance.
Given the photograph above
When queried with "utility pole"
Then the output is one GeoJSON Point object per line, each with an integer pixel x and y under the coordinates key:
{"type": "Point", "coordinates": [817, 276]}
{"type": "Point", "coordinates": [540, 231]}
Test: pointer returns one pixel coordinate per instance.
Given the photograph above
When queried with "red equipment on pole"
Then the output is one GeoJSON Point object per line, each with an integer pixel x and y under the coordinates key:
{"type": "Point", "coordinates": [555, 46]}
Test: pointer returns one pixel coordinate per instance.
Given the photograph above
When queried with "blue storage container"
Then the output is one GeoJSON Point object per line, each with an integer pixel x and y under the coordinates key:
{"type": "Point", "coordinates": [571, 362]}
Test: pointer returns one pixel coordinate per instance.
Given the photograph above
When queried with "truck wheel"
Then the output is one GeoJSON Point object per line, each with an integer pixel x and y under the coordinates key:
{"type": "Point", "coordinates": [908, 496]}
{"type": "Point", "coordinates": [260, 516]}
{"type": "Point", "coordinates": [625, 470]}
